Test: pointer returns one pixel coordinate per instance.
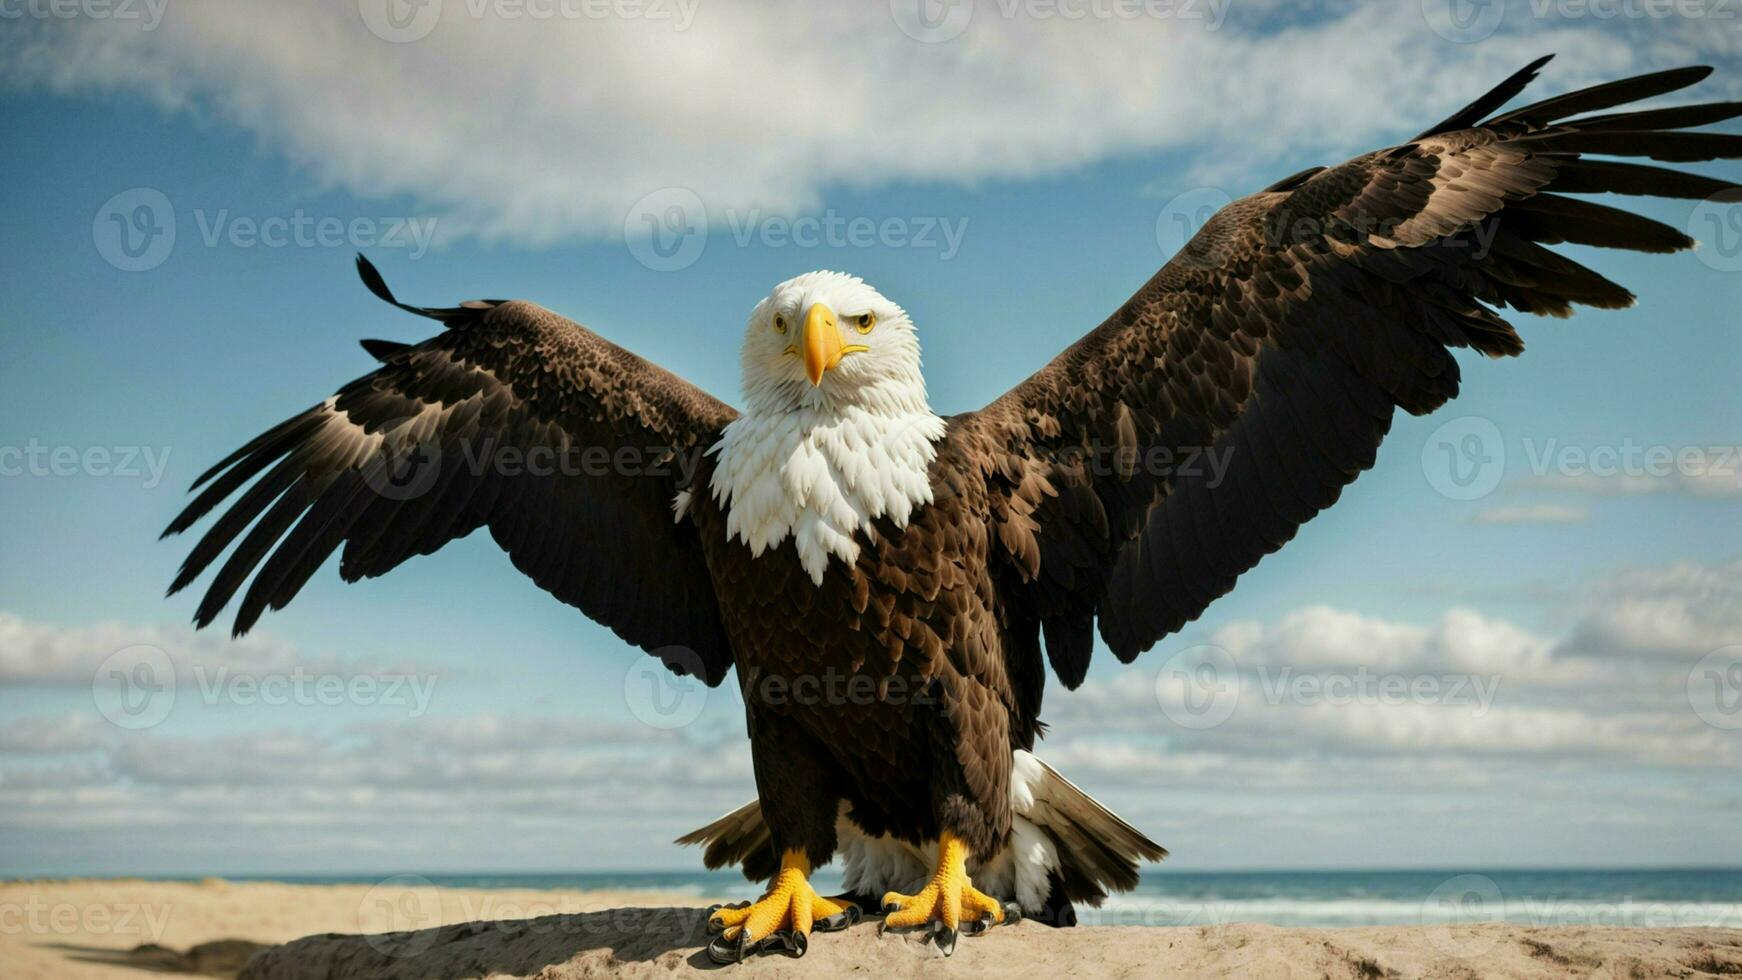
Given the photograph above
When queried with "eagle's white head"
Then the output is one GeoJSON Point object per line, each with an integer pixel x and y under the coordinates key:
{"type": "Point", "coordinates": [828, 340]}
{"type": "Point", "coordinates": [836, 430]}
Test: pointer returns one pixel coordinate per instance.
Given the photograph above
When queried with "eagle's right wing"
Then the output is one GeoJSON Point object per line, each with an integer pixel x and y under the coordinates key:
{"type": "Point", "coordinates": [1148, 466]}
{"type": "Point", "coordinates": [569, 448]}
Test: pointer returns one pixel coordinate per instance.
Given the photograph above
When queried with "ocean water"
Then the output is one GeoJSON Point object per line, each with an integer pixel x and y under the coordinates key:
{"type": "Point", "coordinates": [1657, 898]}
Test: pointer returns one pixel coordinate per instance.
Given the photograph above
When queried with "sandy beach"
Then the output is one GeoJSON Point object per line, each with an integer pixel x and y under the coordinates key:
{"type": "Point", "coordinates": [83, 928]}
{"type": "Point", "coordinates": [405, 928]}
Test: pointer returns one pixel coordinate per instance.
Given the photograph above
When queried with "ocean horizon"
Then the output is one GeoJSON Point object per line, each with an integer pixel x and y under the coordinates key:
{"type": "Point", "coordinates": [1648, 898]}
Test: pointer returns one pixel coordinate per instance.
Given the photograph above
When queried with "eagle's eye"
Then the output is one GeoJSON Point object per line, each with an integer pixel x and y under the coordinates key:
{"type": "Point", "coordinates": [779, 323]}
{"type": "Point", "coordinates": [865, 321]}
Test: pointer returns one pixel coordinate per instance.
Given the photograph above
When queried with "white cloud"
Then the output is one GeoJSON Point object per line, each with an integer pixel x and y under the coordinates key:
{"type": "Point", "coordinates": [52, 654]}
{"type": "Point", "coordinates": [1553, 728]}
{"type": "Point", "coordinates": [1709, 483]}
{"type": "Point", "coordinates": [1681, 611]}
{"type": "Point", "coordinates": [1610, 687]}
{"type": "Point", "coordinates": [481, 791]}
{"type": "Point", "coordinates": [1322, 636]}
{"type": "Point", "coordinates": [52, 735]}
{"type": "Point", "coordinates": [1630, 469]}
{"type": "Point", "coordinates": [48, 653]}
{"type": "Point", "coordinates": [541, 129]}
{"type": "Point", "coordinates": [1534, 514]}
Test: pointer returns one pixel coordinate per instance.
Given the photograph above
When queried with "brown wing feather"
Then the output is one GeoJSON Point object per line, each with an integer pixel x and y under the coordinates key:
{"type": "Point", "coordinates": [569, 448]}
{"type": "Point", "coordinates": [1279, 342]}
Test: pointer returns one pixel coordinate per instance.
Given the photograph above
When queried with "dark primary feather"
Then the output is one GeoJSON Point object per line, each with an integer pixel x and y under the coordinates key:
{"type": "Point", "coordinates": [1493, 99]}
{"type": "Point", "coordinates": [512, 418]}
{"type": "Point", "coordinates": [1282, 338]}
{"type": "Point", "coordinates": [1603, 96]}
{"type": "Point", "coordinates": [381, 350]}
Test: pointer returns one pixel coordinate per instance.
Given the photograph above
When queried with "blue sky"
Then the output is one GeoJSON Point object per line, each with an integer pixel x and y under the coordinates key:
{"type": "Point", "coordinates": [1588, 597]}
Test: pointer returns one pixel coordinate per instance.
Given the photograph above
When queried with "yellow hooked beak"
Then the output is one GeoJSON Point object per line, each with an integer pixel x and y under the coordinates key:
{"type": "Point", "coordinates": [822, 342]}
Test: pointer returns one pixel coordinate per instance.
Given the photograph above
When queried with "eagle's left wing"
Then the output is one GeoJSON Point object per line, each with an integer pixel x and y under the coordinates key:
{"type": "Point", "coordinates": [567, 447]}
{"type": "Point", "coordinates": [1229, 401]}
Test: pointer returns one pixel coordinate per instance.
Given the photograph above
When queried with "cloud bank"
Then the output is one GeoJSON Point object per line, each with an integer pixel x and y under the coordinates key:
{"type": "Point", "coordinates": [534, 128]}
{"type": "Point", "coordinates": [1323, 703]}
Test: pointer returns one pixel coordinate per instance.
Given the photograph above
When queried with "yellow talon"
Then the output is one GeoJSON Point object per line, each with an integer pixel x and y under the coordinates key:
{"type": "Point", "coordinates": [949, 898]}
{"type": "Point", "coordinates": [790, 903]}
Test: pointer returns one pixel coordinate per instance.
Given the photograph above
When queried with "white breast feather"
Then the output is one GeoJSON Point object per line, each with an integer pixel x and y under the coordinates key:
{"type": "Point", "coordinates": [821, 477]}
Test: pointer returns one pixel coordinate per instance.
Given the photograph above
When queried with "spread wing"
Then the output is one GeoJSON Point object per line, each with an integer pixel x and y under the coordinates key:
{"type": "Point", "coordinates": [569, 448]}
{"type": "Point", "coordinates": [1229, 401]}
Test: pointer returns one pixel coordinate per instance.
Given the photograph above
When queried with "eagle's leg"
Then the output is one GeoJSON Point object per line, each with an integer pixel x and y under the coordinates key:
{"type": "Point", "coordinates": [947, 901]}
{"type": "Point", "coordinates": [800, 810]}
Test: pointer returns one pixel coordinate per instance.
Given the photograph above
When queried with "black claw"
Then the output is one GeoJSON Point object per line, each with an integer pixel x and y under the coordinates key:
{"type": "Point", "coordinates": [1012, 913]}
{"type": "Point", "coordinates": [891, 907]}
{"type": "Point", "coordinates": [726, 951]}
{"type": "Point", "coordinates": [793, 944]}
{"type": "Point", "coordinates": [716, 927]}
{"type": "Point", "coordinates": [840, 920]}
{"type": "Point", "coordinates": [946, 939]}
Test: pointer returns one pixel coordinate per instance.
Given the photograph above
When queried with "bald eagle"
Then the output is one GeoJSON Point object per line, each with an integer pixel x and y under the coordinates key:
{"type": "Point", "coordinates": [920, 571]}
